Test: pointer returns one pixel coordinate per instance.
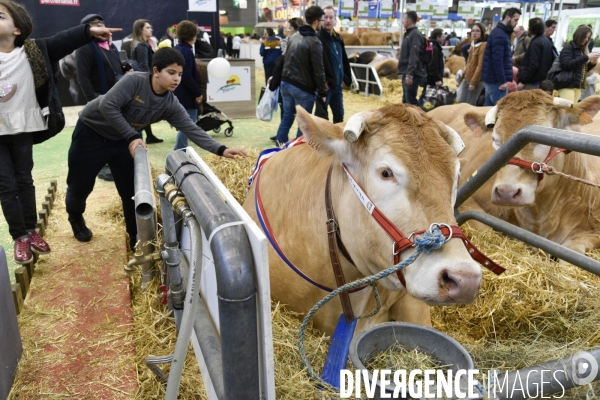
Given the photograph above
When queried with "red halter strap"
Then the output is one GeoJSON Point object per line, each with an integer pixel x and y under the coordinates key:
{"type": "Point", "coordinates": [537, 167]}
{"type": "Point", "coordinates": [401, 242]}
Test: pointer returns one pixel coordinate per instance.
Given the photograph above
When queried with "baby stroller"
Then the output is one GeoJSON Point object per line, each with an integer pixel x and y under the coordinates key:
{"type": "Point", "coordinates": [211, 118]}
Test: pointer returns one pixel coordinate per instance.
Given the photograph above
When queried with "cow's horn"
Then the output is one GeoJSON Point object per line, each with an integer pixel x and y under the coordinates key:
{"type": "Point", "coordinates": [564, 103]}
{"type": "Point", "coordinates": [355, 126]}
{"type": "Point", "coordinates": [490, 117]}
{"type": "Point", "coordinates": [454, 140]}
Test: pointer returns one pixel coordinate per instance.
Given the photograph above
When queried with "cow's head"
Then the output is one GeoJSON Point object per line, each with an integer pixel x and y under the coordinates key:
{"type": "Point", "coordinates": [515, 186]}
{"type": "Point", "coordinates": [407, 165]}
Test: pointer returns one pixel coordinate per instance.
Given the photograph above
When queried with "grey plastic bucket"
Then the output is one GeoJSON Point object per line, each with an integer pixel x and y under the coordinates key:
{"type": "Point", "coordinates": [368, 343]}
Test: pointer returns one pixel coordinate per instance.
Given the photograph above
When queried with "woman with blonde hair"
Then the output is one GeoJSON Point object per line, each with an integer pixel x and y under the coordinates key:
{"type": "Point", "coordinates": [471, 87]}
{"type": "Point", "coordinates": [576, 57]}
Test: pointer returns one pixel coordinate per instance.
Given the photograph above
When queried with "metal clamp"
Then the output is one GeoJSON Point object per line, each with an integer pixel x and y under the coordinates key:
{"type": "Point", "coordinates": [539, 165]}
{"type": "Point", "coordinates": [336, 228]}
{"type": "Point", "coordinates": [438, 224]}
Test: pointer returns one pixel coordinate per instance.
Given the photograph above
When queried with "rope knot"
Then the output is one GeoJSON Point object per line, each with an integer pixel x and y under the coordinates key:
{"type": "Point", "coordinates": [433, 239]}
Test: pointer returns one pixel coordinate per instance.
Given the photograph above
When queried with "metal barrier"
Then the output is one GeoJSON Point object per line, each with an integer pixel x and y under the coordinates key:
{"type": "Point", "coordinates": [572, 367]}
{"type": "Point", "coordinates": [366, 80]}
{"type": "Point", "coordinates": [575, 141]}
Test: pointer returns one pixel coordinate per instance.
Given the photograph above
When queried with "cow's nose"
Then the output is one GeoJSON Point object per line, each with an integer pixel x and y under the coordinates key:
{"type": "Point", "coordinates": [507, 195]}
{"type": "Point", "coordinates": [461, 286]}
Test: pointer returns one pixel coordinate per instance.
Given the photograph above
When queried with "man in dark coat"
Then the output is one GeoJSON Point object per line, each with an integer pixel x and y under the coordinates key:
{"type": "Point", "coordinates": [496, 71]}
{"type": "Point", "coordinates": [410, 64]}
{"type": "Point", "coordinates": [303, 73]}
{"type": "Point", "coordinates": [538, 58]}
{"type": "Point", "coordinates": [188, 92]}
{"type": "Point", "coordinates": [337, 68]}
{"type": "Point", "coordinates": [435, 69]}
{"type": "Point", "coordinates": [270, 50]}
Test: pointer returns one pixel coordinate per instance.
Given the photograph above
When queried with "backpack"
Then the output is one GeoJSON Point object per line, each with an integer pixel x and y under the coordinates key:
{"type": "Point", "coordinates": [427, 54]}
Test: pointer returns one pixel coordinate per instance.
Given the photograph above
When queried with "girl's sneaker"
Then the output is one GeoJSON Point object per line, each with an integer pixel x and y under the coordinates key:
{"type": "Point", "coordinates": [23, 253]}
{"type": "Point", "coordinates": [38, 245]}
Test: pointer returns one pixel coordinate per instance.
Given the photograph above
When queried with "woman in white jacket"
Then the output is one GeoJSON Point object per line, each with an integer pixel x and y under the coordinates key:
{"type": "Point", "coordinates": [236, 44]}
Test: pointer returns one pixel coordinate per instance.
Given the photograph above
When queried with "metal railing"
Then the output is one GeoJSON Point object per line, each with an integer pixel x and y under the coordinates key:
{"type": "Point", "coordinates": [365, 77]}
{"type": "Point", "coordinates": [575, 141]}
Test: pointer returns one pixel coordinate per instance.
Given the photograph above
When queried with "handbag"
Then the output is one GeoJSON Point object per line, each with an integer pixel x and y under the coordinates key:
{"type": "Point", "coordinates": [558, 76]}
{"type": "Point", "coordinates": [436, 96]}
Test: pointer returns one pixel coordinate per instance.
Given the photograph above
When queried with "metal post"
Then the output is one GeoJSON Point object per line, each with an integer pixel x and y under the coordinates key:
{"type": "Point", "coordinates": [145, 210]}
{"type": "Point", "coordinates": [557, 36]}
{"type": "Point", "coordinates": [236, 280]}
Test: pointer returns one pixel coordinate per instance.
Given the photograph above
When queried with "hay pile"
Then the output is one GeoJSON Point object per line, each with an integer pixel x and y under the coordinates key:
{"type": "Point", "coordinates": [392, 94]}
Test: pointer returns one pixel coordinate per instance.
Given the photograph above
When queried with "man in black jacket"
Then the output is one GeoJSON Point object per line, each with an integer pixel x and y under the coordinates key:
{"type": "Point", "coordinates": [98, 69]}
{"type": "Point", "coordinates": [337, 67]}
{"type": "Point", "coordinates": [435, 69]}
{"type": "Point", "coordinates": [410, 65]}
{"type": "Point", "coordinates": [538, 58]}
{"type": "Point", "coordinates": [303, 72]}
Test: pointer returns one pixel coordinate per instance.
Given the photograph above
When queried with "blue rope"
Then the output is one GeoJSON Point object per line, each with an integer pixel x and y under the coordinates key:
{"type": "Point", "coordinates": [431, 240]}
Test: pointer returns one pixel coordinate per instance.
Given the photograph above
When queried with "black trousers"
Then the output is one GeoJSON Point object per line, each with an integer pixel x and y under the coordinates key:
{"type": "Point", "coordinates": [88, 153]}
{"type": "Point", "coordinates": [17, 193]}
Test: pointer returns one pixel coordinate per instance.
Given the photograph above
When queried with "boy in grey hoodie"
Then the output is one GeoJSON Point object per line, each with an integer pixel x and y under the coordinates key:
{"type": "Point", "coordinates": [106, 133]}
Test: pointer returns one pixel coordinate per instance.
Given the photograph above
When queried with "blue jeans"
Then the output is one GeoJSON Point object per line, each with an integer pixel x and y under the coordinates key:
{"type": "Point", "coordinates": [292, 96]}
{"type": "Point", "coordinates": [17, 193]}
{"type": "Point", "coordinates": [335, 100]}
{"type": "Point", "coordinates": [182, 141]}
{"type": "Point", "coordinates": [410, 91]}
{"type": "Point", "coordinates": [493, 94]}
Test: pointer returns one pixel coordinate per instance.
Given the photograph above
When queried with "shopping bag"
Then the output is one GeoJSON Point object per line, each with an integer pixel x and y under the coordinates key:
{"type": "Point", "coordinates": [266, 105]}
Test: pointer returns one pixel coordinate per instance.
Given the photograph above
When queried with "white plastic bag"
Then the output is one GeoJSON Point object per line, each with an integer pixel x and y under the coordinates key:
{"type": "Point", "coordinates": [267, 105]}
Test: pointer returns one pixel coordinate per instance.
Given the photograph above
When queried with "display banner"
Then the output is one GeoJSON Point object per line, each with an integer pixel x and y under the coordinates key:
{"type": "Point", "coordinates": [386, 8]}
{"type": "Point", "coordinates": [202, 5]}
{"type": "Point", "coordinates": [574, 22]}
{"type": "Point", "coordinates": [60, 2]}
{"type": "Point", "coordinates": [347, 9]}
{"type": "Point", "coordinates": [467, 9]}
{"type": "Point", "coordinates": [236, 86]}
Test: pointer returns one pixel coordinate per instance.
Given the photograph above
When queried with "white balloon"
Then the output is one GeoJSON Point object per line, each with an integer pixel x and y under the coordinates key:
{"type": "Point", "coordinates": [218, 67]}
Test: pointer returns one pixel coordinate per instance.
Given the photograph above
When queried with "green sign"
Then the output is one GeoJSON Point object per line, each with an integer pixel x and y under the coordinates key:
{"type": "Point", "coordinates": [574, 22]}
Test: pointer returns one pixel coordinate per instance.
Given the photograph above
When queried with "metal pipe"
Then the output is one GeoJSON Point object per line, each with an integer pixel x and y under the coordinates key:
{"type": "Point", "coordinates": [236, 279]}
{"type": "Point", "coordinates": [558, 25]}
{"type": "Point", "coordinates": [145, 210]}
{"type": "Point", "coordinates": [548, 378]}
{"type": "Point", "coordinates": [210, 345]}
{"type": "Point", "coordinates": [189, 312]}
{"type": "Point", "coordinates": [523, 235]}
{"type": "Point", "coordinates": [576, 141]}
{"type": "Point", "coordinates": [171, 245]}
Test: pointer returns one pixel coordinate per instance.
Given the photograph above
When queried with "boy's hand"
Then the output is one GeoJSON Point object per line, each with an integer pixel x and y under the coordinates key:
{"type": "Point", "coordinates": [103, 33]}
{"type": "Point", "coordinates": [136, 143]}
{"type": "Point", "coordinates": [232, 153]}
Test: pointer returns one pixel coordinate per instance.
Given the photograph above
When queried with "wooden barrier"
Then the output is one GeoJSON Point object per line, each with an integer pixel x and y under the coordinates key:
{"type": "Point", "coordinates": [24, 274]}
{"type": "Point", "coordinates": [17, 297]}
{"type": "Point", "coordinates": [22, 279]}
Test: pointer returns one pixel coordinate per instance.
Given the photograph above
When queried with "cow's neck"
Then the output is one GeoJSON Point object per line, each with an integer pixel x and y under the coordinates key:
{"type": "Point", "coordinates": [558, 198]}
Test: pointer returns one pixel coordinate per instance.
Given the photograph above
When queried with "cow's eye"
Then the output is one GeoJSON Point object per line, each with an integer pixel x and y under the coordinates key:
{"type": "Point", "coordinates": [387, 173]}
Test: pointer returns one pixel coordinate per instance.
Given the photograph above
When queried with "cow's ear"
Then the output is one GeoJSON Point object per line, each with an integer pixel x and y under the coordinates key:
{"type": "Point", "coordinates": [476, 122]}
{"type": "Point", "coordinates": [587, 109]}
{"type": "Point", "coordinates": [321, 135]}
